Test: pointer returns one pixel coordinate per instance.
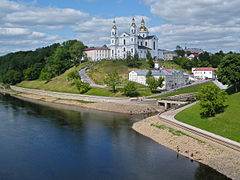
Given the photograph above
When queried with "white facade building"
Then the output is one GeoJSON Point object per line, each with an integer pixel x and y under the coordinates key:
{"type": "Point", "coordinates": [137, 40]}
{"type": "Point", "coordinates": [97, 53]}
{"type": "Point", "coordinates": [204, 72]}
{"type": "Point", "coordinates": [172, 78]}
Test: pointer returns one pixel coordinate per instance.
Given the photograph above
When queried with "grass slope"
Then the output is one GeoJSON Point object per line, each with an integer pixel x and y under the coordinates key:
{"type": "Point", "coordinates": [191, 89]}
{"type": "Point", "coordinates": [226, 124]}
{"type": "Point", "coordinates": [99, 71]}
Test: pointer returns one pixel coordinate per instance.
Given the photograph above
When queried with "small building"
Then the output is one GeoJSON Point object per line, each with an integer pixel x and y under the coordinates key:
{"type": "Point", "coordinates": [204, 72]}
{"type": "Point", "coordinates": [172, 78]}
{"type": "Point", "coordinates": [168, 55]}
{"type": "Point", "coordinates": [97, 53]}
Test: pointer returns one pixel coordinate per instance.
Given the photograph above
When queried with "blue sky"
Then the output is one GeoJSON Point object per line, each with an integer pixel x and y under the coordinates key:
{"type": "Point", "coordinates": [208, 24]}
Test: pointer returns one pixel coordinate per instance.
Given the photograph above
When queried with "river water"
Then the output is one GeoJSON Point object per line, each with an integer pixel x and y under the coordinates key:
{"type": "Point", "coordinates": [39, 141]}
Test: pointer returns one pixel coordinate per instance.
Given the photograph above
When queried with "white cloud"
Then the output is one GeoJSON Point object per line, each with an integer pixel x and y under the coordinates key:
{"type": "Point", "coordinates": [196, 11]}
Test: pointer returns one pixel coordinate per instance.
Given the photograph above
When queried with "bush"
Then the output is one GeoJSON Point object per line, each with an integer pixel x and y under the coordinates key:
{"type": "Point", "coordinates": [212, 100]}
{"type": "Point", "coordinates": [130, 89]}
{"type": "Point", "coordinates": [82, 87]}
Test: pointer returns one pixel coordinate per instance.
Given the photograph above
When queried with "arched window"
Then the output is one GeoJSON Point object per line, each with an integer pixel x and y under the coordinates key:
{"type": "Point", "coordinates": [154, 45]}
{"type": "Point", "coordinates": [124, 41]}
{"type": "Point", "coordinates": [124, 49]}
{"type": "Point", "coordinates": [112, 52]}
{"type": "Point", "coordinates": [145, 43]}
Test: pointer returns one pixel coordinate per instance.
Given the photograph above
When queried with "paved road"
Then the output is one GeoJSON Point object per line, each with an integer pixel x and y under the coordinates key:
{"type": "Point", "coordinates": [176, 89]}
{"type": "Point", "coordinates": [168, 116]}
{"type": "Point", "coordinates": [86, 78]}
{"type": "Point", "coordinates": [220, 85]}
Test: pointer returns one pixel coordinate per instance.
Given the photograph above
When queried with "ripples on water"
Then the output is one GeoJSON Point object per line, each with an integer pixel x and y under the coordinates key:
{"type": "Point", "coordinates": [39, 141]}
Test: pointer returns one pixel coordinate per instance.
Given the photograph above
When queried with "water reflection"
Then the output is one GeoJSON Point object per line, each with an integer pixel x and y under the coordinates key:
{"type": "Point", "coordinates": [53, 142]}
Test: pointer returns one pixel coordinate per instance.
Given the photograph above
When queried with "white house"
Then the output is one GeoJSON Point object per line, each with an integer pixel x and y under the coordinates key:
{"type": "Point", "coordinates": [204, 72]}
{"type": "Point", "coordinates": [172, 78]}
{"type": "Point", "coordinates": [97, 53]}
{"type": "Point", "coordinates": [137, 40]}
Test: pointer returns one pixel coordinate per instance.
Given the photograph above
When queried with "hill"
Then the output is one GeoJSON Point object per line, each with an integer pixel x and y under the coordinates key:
{"type": "Point", "coordinates": [99, 71]}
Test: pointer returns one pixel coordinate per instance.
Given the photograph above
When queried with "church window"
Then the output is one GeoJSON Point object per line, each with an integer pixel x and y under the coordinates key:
{"type": "Point", "coordinates": [145, 43]}
{"type": "Point", "coordinates": [112, 41]}
{"type": "Point", "coordinates": [131, 39]}
{"type": "Point", "coordinates": [124, 41]}
{"type": "Point", "coordinates": [112, 51]}
{"type": "Point", "coordinates": [141, 43]}
{"type": "Point", "coordinates": [124, 49]}
{"type": "Point", "coordinates": [154, 45]}
{"type": "Point", "coordinates": [132, 50]}
{"type": "Point", "coordinates": [143, 35]}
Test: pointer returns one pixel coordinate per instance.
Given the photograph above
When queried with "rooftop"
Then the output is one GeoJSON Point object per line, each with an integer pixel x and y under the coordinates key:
{"type": "Point", "coordinates": [205, 69]}
{"type": "Point", "coordinates": [96, 48]}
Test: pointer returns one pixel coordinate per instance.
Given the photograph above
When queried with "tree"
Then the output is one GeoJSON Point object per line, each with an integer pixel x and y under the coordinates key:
{"type": "Point", "coordinates": [215, 60]}
{"type": "Point", "coordinates": [180, 52]}
{"type": "Point", "coordinates": [149, 74]}
{"type": "Point", "coordinates": [150, 59]}
{"type": "Point", "coordinates": [204, 56]}
{"type": "Point", "coordinates": [82, 87]}
{"type": "Point", "coordinates": [76, 51]}
{"type": "Point", "coordinates": [73, 75]}
{"type": "Point", "coordinates": [112, 79]}
{"type": "Point", "coordinates": [229, 71]}
{"type": "Point", "coordinates": [12, 77]}
{"type": "Point", "coordinates": [130, 89]}
{"type": "Point", "coordinates": [212, 100]}
{"type": "Point", "coordinates": [153, 83]}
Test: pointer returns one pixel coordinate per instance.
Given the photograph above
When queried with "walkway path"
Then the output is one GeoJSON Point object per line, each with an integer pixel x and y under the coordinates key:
{"type": "Point", "coordinates": [183, 87]}
{"type": "Point", "coordinates": [169, 118]}
{"type": "Point", "coordinates": [86, 78]}
{"type": "Point", "coordinates": [69, 95]}
{"type": "Point", "coordinates": [220, 85]}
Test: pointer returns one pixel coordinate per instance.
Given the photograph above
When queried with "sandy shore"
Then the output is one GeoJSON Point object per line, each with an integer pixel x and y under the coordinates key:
{"type": "Point", "coordinates": [221, 158]}
{"type": "Point", "coordinates": [122, 106]}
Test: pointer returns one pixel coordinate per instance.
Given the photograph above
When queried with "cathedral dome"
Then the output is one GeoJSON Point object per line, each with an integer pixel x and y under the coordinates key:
{"type": "Point", "coordinates": [143, 27]}
{"type": "Point", "coordinates": [133, 23]}
{"type": "Point", "coordinates": [114, 24]}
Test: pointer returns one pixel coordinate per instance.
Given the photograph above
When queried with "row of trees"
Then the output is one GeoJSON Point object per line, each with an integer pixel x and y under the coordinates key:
{"type": "Point", "coordinates": [43, 63]}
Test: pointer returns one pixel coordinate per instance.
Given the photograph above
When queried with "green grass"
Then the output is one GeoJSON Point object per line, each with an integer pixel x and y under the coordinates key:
{"type": "Point", "coordinates": [192, 89]}
{"type": "Point", "coordinates": [226, 124]}
{"type": "Point", "coordinates": [80, 101]}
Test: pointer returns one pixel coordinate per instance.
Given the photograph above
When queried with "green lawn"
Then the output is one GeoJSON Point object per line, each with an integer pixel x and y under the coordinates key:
{"type": "Point", "coordinates": [192, 89]}
{"type": "Point", "coordinates": [226, 124]}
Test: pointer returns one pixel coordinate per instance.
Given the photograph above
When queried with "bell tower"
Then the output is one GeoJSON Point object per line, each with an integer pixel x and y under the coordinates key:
{"type": "Point", "coordinates": [114, 41]}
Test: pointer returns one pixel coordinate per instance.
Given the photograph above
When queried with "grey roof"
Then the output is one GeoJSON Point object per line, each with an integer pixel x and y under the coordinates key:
{"type": "Point", "coordinates": [144, 47]}
{"type": "Point", "coordinates": [148, 37]}
{"type": "Point", "coordinates": [154, 72]}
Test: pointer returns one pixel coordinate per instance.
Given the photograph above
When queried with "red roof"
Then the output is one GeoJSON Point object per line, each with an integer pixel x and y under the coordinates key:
{"type": "Point", "coordinates": [169, 72]}
{"type": "Point", "coordinates": [96, 48]}
{"type": "Point", "coordinates": [195, 54]}
{"type": "Point", "coordinates": [206, 69]}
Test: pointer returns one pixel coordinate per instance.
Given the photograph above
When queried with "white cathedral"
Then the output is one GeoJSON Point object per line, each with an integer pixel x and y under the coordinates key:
{"type": "Point", "coordinates": [136, 41]}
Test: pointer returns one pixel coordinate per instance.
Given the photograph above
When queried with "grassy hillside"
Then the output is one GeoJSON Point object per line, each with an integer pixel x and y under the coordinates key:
{"type": "Point", "coordinates": [226, 124]}
{"type": "Point", "coordinates": [99, 71]}
{"type": "Point", "coordinates": [61, 84]}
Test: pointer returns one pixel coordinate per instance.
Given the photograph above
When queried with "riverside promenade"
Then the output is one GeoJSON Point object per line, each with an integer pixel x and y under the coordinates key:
{"type": "Point", "coordinates": [168, 116]}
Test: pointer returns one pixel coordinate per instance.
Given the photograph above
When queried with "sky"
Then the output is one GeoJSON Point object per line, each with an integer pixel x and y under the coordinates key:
{"type": "Point", "coordinates": [211, 25]}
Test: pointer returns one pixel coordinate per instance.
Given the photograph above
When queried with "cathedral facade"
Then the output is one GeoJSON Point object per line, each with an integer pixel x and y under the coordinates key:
{"type": "Point", "coordinates": [137, 40]}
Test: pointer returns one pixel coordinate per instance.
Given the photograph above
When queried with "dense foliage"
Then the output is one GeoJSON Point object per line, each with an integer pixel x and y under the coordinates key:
{"type": "Point", "coordinates": [204, 60]}
{"type": "Point", "coordinates": [229, 71]}
{"type": "Point", "coordinates": [130, 89]}
{"type": "Point", "coordinates": [150, 59]}
{"type": "Point", "coordinates": [212, 99]}
{"type": "Point", "coordinates": [43, 63]}
{"type": "Point", "coordinates": [154, 83]}
{"type": "Point", "coordinates": [132, 61]}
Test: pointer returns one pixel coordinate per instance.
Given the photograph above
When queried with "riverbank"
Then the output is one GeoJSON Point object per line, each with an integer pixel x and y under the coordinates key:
{"type": "Point", "coordinates": [120, 106]}
{"type": "Point", "coordinates": [221, 158]}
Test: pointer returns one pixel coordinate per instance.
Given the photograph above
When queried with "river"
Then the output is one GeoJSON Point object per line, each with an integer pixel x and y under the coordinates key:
{"type": "Point", "coordinates": [45, 141]}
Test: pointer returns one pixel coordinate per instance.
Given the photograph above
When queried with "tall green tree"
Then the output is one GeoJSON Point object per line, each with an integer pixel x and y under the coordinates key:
{"type": "Point", "coordinates": [112, 79]}
{"type": "Point", "coordinates": [76, 51]}
{"type": "Point", "coordinates": [150, 59]}
{"type": "Point", "coordinates": [153, 83]}
{"type": "Point", "coordinates": [212, 100]}
{"type": "Point", "coordinates": [12, 77]}
{"type": "Point", "coordinates": [229, 71]}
